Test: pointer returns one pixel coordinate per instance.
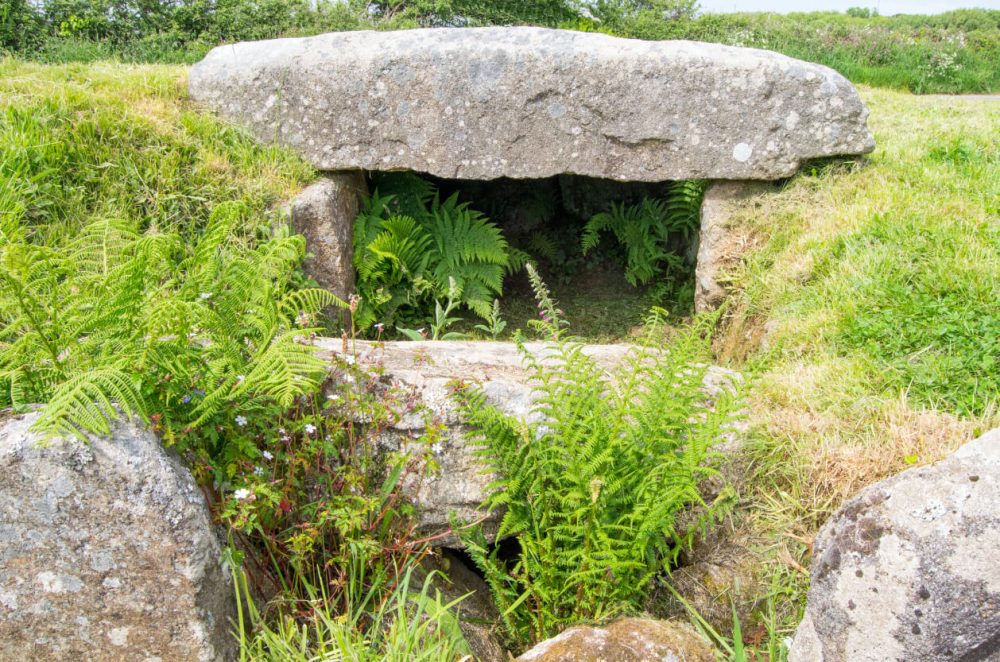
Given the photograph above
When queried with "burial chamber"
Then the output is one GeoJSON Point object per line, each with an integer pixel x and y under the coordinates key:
{"type": "Point", "coordinates": [525, 103]}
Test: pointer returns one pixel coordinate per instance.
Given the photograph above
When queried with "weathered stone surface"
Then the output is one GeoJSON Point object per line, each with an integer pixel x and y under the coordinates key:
{"type": "Point", "coordinates": [627, 640]}
{"type": "Point", "coordinates": [324, 213]}
{"type": "Point", "coordinates": [482, 103]}
{"type": "Point", "coordinates": [422, 375]}
{"type": "Point", "coordinates": [107, 553]}
{"type": "Point", "coordinates": [716, 246]}
{"type": "Point", "coordinates": [909, 568]}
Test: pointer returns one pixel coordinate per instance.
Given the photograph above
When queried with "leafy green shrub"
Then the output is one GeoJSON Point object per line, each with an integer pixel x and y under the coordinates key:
{"type": "Point", "coordinates": [409, 246]}
{"type": "Point", "coordinates": [593, 489]}
{"type": "Point", "coordinates": [20, 26]}
{"type": "Point", "coordinates": [128, 287]}
{"type": "Point", "coordinates": [650, 231]}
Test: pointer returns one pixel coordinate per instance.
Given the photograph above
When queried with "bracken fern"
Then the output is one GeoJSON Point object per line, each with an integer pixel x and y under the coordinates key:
{"type": "Point", "coordinates": [408, 244]}
{"type": "Point", "coordinates": [592, 490]}
{"type": "Point", "coordinates": [650, 230]}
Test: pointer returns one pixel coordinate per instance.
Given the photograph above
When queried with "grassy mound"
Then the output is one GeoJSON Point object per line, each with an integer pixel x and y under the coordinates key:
{"type": "Point", "coordinates": [866, 309]}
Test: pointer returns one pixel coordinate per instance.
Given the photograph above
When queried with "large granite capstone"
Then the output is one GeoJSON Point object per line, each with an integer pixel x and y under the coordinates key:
{"type": "Point", "coordinates": [482, 103]}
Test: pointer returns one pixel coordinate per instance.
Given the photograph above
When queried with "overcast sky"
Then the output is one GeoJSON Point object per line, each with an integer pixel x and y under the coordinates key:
{"type": "Point", "coordinates": [885, 7]}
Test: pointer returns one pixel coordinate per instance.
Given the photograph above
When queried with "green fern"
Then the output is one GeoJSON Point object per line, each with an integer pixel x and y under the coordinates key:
{"type": "Point", "coordinates": [404, 263]}
{"type": "Point", "coordinates": [592, 491]}
{"type": "Point", "coordinates": [129, 323]}
{"type": "Point", "coordinates": [88, 402]}
{"type": "Point", "coordinates": [649, 231]}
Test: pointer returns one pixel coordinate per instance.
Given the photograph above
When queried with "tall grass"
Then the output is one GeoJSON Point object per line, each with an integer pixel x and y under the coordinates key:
{"type": "Point", "coordinates": [383, 616]}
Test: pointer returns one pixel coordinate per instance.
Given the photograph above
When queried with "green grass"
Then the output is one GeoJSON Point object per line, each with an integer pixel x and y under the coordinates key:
{"type": "Point", "coordinates": [953, 52]}
{"type": "Point", "coordinates": [110, 140]}
{"type": "Point", "coordinates": [867, 313]}
{"type": "Point", "coordinates": [894, 266]}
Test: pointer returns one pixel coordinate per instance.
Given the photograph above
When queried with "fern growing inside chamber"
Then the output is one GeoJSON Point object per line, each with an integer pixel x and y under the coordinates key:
{"type": "Point", "coordinates": [650, 231]}
{"type": "Point", "coordinates": [408, 244]}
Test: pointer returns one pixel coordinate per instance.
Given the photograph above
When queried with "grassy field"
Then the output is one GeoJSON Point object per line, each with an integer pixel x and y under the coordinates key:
{"type": "Point", "coordinates": [952, 52]}
{"type": "Point", "coordinates": [867, 312]}
{"type": "Point", "coordinates": [865, 308]}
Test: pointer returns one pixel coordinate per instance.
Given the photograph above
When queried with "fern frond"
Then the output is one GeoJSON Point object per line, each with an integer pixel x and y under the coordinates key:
{"type": "Point", "coordinates": [284, 370]}
{"type": "Point", "coordinates": [89, 402]}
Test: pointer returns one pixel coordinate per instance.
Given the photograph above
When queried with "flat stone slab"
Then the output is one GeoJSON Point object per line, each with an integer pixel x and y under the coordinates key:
{"type": "Point", "coordinates": [417, 381]}
{"type": "Point", "coordinates": [482, 103]}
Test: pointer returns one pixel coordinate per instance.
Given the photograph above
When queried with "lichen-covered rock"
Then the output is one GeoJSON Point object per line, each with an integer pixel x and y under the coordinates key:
{"type": "Point", "coordinates": [324, 213]}
{"type": "Point", "coordinates": [909, 568]}
{"type": "Point", "coordinates": [627, 640]}
{"type": "Point", "coordinates": [523, 102]}
{"type": "Point", "coordinates": [107, 552]}
{"type": "Point", "coordinates": [422, 378]}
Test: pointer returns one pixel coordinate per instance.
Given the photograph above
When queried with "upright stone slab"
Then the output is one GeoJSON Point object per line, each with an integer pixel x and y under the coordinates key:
{"type": "Point", "coordinates": [716, 249]}
{"type": "Point", "coordinates": [482, 103]}
{"type": "Point", "coordinates": [107, 553]}
{"type": "Point", "coordinates": [324, 213]}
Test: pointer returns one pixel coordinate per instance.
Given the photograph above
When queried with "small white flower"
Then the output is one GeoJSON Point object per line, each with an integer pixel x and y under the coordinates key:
{"type": "Point", "coordinates": [267, 455]}
{"type": "Point", "coordinates": [436, 448]}
{"type": "Point", "coordinates": [258, 471]}
{"type": "Point", "coordinates": [380, 327]}
{"type": "Point", "coordinates": [333, 398]}
{"type": "Point", "coordinates": [309, 428]}
{"type": "Point", "coordinates": [241, 420]}
{"type": "Point", "coordinates": [281, 430]}
{"type": "Point", "coordinates": [349, 359]}
{"type": "Point", "coordinates": [241, 494]}
{"type": "Point", "coordinates": [206, 295]}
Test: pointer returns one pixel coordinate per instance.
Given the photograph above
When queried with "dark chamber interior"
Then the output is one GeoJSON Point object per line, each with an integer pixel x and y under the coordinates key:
{"type": "Point", "coordinates": [546, 219]}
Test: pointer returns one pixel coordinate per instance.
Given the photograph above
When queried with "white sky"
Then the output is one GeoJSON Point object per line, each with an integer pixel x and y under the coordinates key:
{"type": "Point", "coordinates": [885, 7]}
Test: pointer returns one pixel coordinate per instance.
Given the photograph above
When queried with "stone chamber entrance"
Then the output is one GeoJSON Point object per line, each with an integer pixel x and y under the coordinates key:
{"type": "Point", "coordinates": [607, 250]}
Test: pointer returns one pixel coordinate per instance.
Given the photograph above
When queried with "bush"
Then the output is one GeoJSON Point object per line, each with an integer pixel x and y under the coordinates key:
{"type": "Point", "coordinates": [592, 490]}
